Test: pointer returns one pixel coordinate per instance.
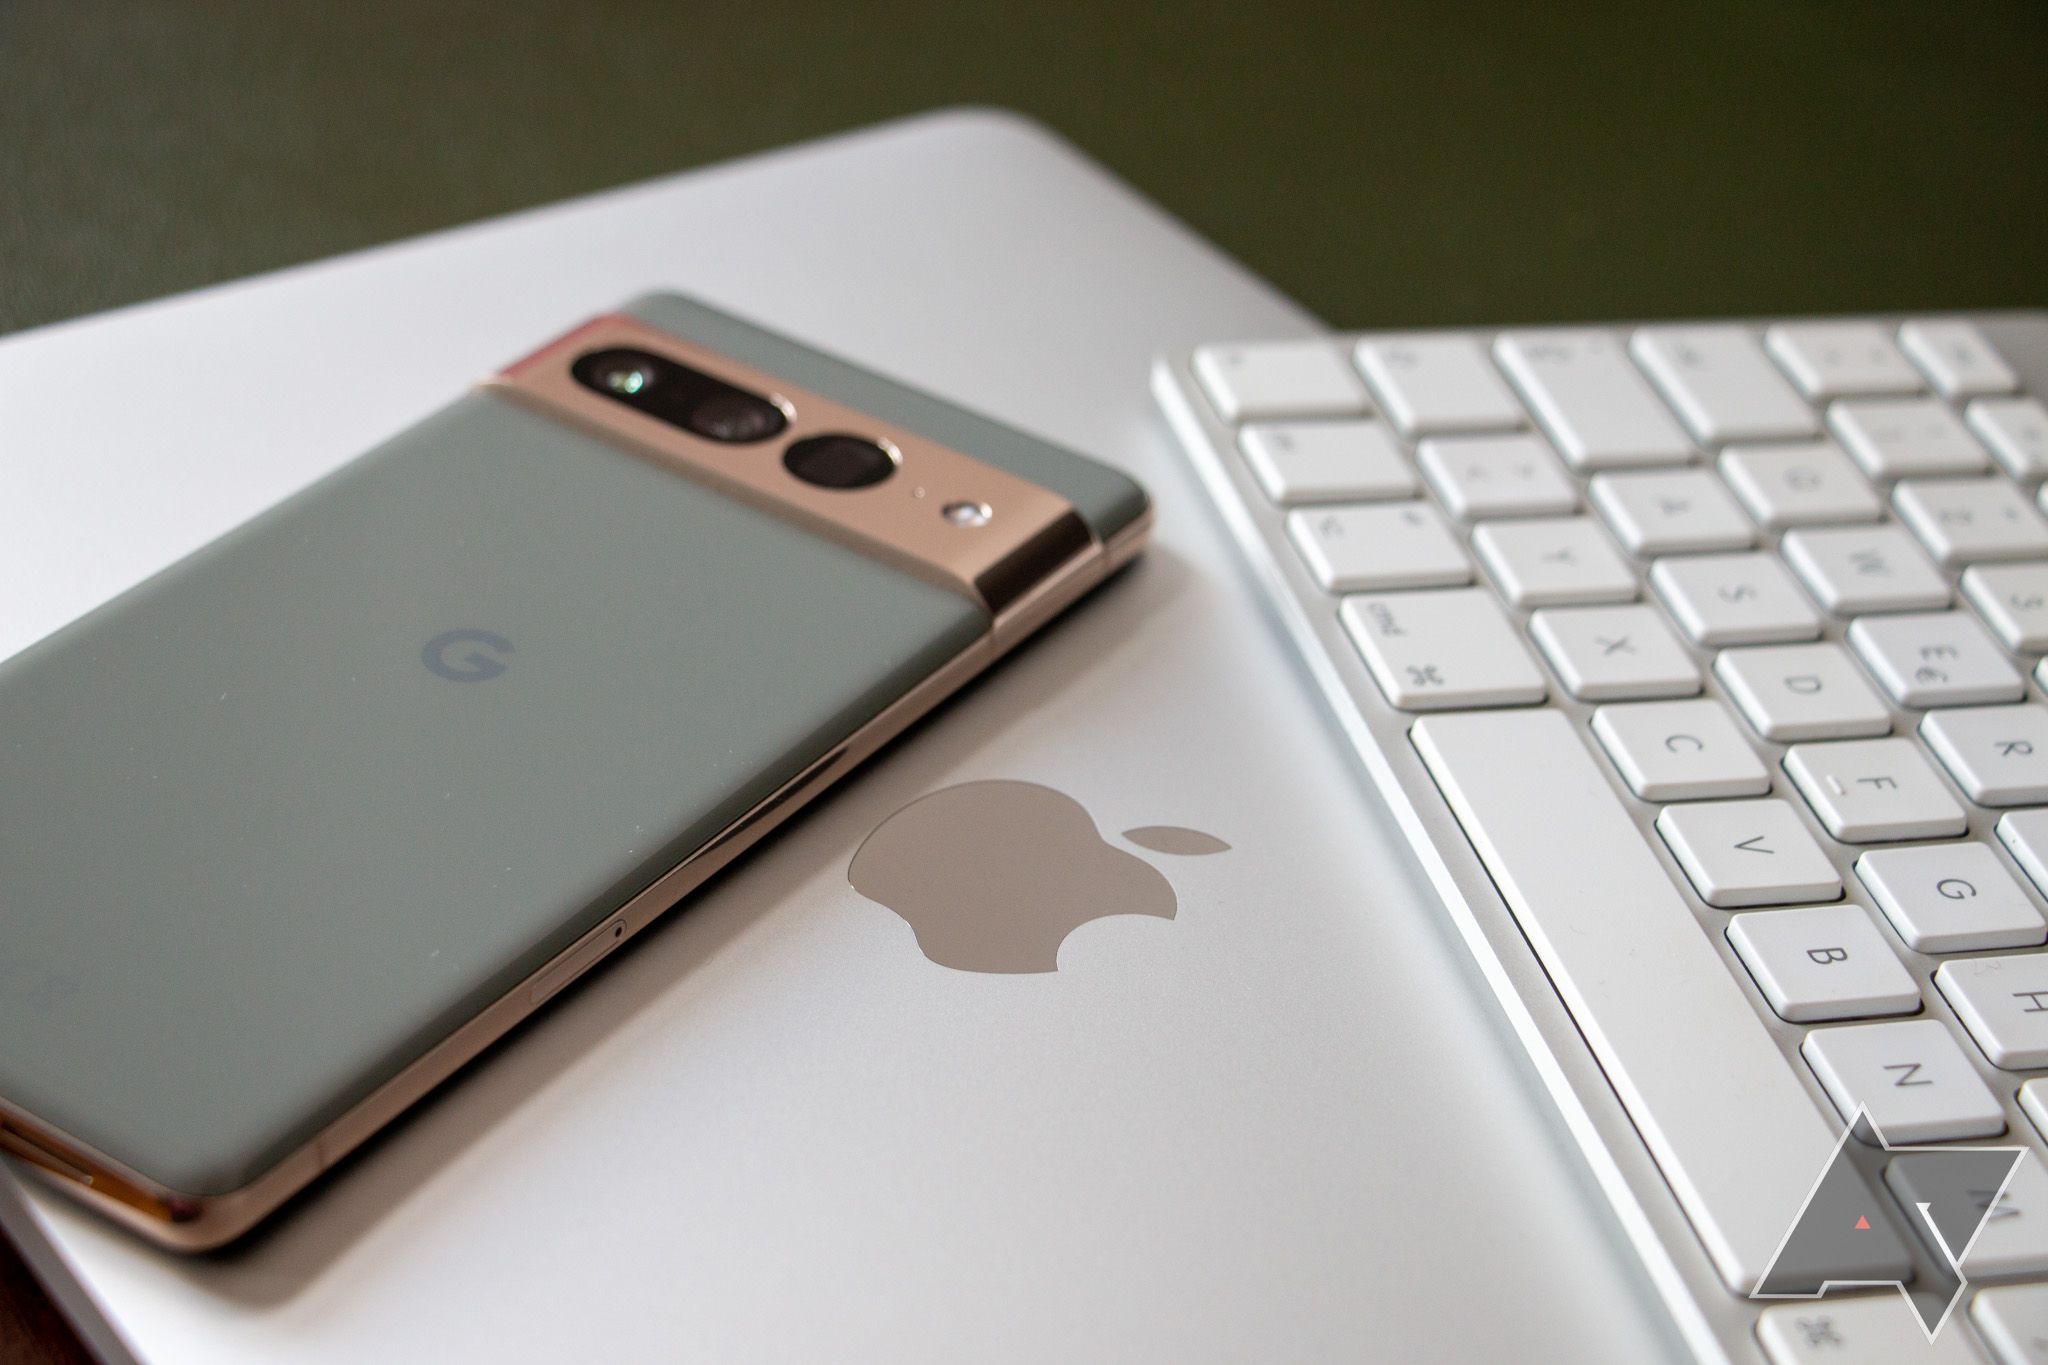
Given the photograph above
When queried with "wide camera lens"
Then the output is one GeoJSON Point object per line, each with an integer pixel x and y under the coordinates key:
{"type": "Point", "coordinates": [735, 415]}
{"type": "Point", "coordinates": [838, 461]}
{"type": "Point", "coordinates": [626, 378]}
{"type": "Point", "coordinates": [623, 374]}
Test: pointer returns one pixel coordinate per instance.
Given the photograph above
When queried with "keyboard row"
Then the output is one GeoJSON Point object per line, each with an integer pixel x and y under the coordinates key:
{"type": "Point", "coordinates": [1378, 536]}
{"type": "Point", "coordinates": [1781, 484]}
{"type": "Point", "coordinates": [1714, 386]}
{"type": "Point", "coordinates": [1453, 648]}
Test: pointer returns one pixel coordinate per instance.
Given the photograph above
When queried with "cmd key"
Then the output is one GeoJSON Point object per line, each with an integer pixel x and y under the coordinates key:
{"type": "Point", "coordinates": [1432, 651]}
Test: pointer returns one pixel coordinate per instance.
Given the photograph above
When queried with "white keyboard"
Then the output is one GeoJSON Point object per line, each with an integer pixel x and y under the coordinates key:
{"type": "Point", "coordinates": [1702, 665]}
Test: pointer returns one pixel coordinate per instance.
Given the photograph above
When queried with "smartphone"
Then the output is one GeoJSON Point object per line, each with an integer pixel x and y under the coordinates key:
{"type": "Point", "coordinates": [297, 827]}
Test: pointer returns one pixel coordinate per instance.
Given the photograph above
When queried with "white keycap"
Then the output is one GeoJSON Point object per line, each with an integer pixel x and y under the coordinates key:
{"type": "Point", "coordinates": [1854, 569]}
{"type": "Point", "coordinates": [2013, 599]}
{"type": "Point", "coordinates": [1385, 545]}
{"type": "Point", "coordinates": [1280, 379]}
{"type": "Point", "coordinates": [1430, 384]}
{"type": "Point", "coordinates": [1823, 962]}
{"type": "Point", "coordinates": [2013, 1239]}
{"type": "Point", "coordinates": [1436, 650]}
{"type": "Point", "coordinates": [1869, 1329]}
{"type": "Point", "coordinates": [1794, 692]}
{"type": "Point", "coordinates": [2013, 1320]}
{"type": "Point", "coordinates": [2003, 1002]}
{"type": "Point", "coordinates": [1300, 462]}
{"type": "Point", "coordinates": [1874, 791]}
{"type": "Point", "coordinates": [1808, 483]}
{"type": "Point", "coordinates": [1998, 755]}
{"type": "Point", "coordinates": [1963, 521]}
{"type": "Point", "coordinates": [2016, 430]}
{"type": "Point", "coordinates": [1745, 599]}
{"type": "Point", "coordinates": [1659, 512]}
{"type": "Point", "coordinates": [1841, 359]}
{"type": "Point", "coordinates": [1596, 406]}
{"type": "Point", "coordinates": [1614, 653]}
{"type": "Point", "coordinates": [1895, 438]}
{"type": "Point", "coordinates": [1957, 358]}
{"type": "Point", "coordinates": [1496, 476]}
{"type": "Point", "coordinates": [1950, 898]}
{"type": "Point", "coordinates": [1721, 383]}
{"type": "Point", "coordinates": [1554, 562]}
{"type": "Point", "coordinates": [1742, 853]}
{"type": "Point", "coordinates": [2025, 835]}
{"type": "Point", "coordinates": [1942, 658]}
{"type": "Point", "coordinates": [1680, 750]}
{"type": "Point", "coordinates": [1728, 1123]}
{"type": "Point", "coordinates": [1911, 1075]}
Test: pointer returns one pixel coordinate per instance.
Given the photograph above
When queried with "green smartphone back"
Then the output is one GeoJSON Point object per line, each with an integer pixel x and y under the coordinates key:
{"type": "Point", "coordinates": [281, 818]}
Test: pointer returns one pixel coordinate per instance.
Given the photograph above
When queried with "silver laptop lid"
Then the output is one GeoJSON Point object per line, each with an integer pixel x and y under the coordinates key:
{"type": "Point", "coordinates": [1271, 1115]}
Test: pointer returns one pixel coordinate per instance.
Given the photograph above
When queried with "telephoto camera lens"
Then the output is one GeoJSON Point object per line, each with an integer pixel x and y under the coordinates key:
{"type": "Point", "coordinates": [838, 461]}
{"type": "Point", "coordinates": [731, 415]}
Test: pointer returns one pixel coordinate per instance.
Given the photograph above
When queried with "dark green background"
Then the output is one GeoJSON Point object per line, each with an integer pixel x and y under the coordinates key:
{"type": "Point", "coordinates": [1384, 163]}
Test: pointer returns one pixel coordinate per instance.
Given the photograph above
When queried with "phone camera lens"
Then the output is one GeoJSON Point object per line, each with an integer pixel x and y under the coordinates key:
{"type": "Point", "coordinates": [626, 378]}
{"type": "Point", "coordinates": [838, 461]}
{"type": "Point", "coordinates": [734, 415]}
{"type": "Point", "coordinates": [630, 376]}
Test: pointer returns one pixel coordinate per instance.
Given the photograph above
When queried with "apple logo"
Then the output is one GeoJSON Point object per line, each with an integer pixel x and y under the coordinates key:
{"type": "Point", "coordinates": [993, 876]}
